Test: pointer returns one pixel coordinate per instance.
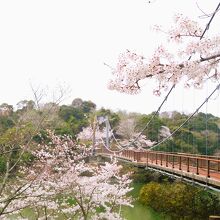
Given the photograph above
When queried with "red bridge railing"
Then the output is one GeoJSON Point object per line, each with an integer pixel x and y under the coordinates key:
{"type": "Point", "coordinates": [208, 166]}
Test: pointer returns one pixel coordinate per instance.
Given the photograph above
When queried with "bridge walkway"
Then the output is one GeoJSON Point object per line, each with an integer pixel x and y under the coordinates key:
{"type": "Point", "coordinates": [201, 168]}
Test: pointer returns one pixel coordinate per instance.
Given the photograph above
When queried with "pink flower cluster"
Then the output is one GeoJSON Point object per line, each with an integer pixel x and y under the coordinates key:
{"type": "Point", "coordinates": [194, 60]}
{"type": "Point", "coordinates": [60, 181]}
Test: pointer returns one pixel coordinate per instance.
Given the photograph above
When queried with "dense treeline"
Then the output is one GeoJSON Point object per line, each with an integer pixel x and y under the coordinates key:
{"type": "Point", "coordinates": [30, 120]}
{"type": "Point", "coordinates": [200, 135]}
{"type": "Point", "coordinates": [64, 119]}
{"type": "Point", "coordinates": [17, 125]}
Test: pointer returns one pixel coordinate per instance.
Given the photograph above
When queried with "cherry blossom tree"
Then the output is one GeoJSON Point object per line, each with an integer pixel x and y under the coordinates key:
{"type": "Point", "coordinates": [61, 183]}
{"type": "Point", "coordinates": [196, 59]}
{"type": "Point", "coordinates": [16, 148]}
{"type": "Point", "coordinates": [126, 128]}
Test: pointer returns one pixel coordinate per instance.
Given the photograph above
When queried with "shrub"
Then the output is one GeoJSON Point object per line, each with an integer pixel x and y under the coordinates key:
{"type": "Point", "coordinates": [179, 200]}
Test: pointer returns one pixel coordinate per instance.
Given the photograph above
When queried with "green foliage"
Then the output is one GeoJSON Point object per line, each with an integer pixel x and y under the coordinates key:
{"type": "Point", "coordinates": [84, 106]}
{"type": "Point", "coordinates": [112, 116]}
{"type": "Point", "coordinates": [71, 201]}
{"type": "Point", "coordinates": [75, 119]}
{"type": "Point", "coordinates": [68, 112]}
{"type": "Point", "coordinates": [2, 164]}
{"type": "Point", "coordinates": [88, 106]}
{"type": "Point", "coordinates": [65, 128]}
{"type": "Point", "coordinates": [100, 209]}
{"type": "Point", "coordinates": [200, 135]}
{"type": "Point", "coordinates": [17, 135]}
{"type": "Point", "coordinates": [201, 120]}
{"type": "Point", "coordinates": [25, 105]}
{"type": "Point", "coordinates": [180, 201]}
{"type": "Point", "coordinates": [152, 131]}
{"type": "Point", "coordinates": [41, 137]}
{"type": "Point", "coordinates": [5, 123]}
{"type": "Point", "coordinates": [27, 158]}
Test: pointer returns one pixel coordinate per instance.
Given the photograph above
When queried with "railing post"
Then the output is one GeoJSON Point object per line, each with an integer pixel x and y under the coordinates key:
{"type": "Point", "coordinates": [187, 164]}
{"type": "Point", "coordinates": [135, 156]}
{"type": "Point", "coordinates": [138, 156]}
{"type": "Point", "coordinates": [197, 166]}
{"type": "Point", "coordinates": [156, 158]}
{"type": "Point", "coordinates": [152, 158]}
{"type": "Point", "coordinates": [147, 158]}
{"type": "Point", "coordinates": [218, 165]}
{"type": "Point", "coordinates": [161, 161]}
{"type": "Point", "coordinates": [208, 168]}
{"type": "Point", "coordinates": [173, 161]}
{"type": "Point", "coordinates": [180, 163]}
{"type": "Point", "coordinates": [166, 160]}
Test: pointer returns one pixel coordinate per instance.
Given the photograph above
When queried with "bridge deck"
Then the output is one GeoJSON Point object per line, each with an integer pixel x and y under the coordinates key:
{"type": "Point", "coordinates": [201, 168]}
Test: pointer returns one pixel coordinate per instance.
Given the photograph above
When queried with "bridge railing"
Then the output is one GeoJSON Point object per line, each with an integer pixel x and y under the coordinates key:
{"type": "Point", "coordinates": [193, 164]}
{"type": "Point", "coordinates": [198, 164]}
{"type": "Point", "coordinates": [194, 155]}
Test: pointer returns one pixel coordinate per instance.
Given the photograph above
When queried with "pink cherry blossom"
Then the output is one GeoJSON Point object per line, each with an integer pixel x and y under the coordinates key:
{"type": "Point", "coordinates": [194, 61]}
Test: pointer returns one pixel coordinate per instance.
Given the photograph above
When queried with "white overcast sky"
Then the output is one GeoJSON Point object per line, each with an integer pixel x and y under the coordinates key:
{"type": "Point", "coordinates": [50, 42]}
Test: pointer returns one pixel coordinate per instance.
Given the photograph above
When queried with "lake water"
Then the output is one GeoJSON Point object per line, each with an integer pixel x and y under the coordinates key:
{"type": "Point", "coordinates": [139, 211]}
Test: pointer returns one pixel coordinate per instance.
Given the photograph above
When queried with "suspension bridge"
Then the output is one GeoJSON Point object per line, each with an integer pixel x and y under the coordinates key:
{"type": "Point", "coordinates": [201, 169]}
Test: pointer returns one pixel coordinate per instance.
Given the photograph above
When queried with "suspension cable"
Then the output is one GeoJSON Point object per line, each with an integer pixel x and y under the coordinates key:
{"type": "Point", "coordinates": [208, 25]}
{"type": "Point", "coordinates": [177, 129]}
{"type": "Point", "coordinates": [206, 28]}
{"type": "Point", "coordinates": [124, 147]}
{"type": "Point", "coordinates": [206, 126]}
{"type": "Point", "coordinates": [153, 116]}
{"type": "Point", "coordinates": [155, 113]}
{"type": "Point", "coordinates": [117, 142]}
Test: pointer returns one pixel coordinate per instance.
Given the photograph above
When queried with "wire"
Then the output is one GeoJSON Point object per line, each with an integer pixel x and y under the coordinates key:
{"type": "Point", "coordinates": [206, 28]}
{"type": "Point", "coordinates": [206, 100]}
{"type": "Point", "coordinates": [124, 147]}
{"type": "Point", "coordinates": [146, 126]}
{"type": "Point", "coordinates": [155, 113]}
{"type": "Point", "coordinates": [206, 126]}
{"type": "Point", "coordinates": [117, 142]}
{"type": "Point", "coordinates": [208, 25]}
